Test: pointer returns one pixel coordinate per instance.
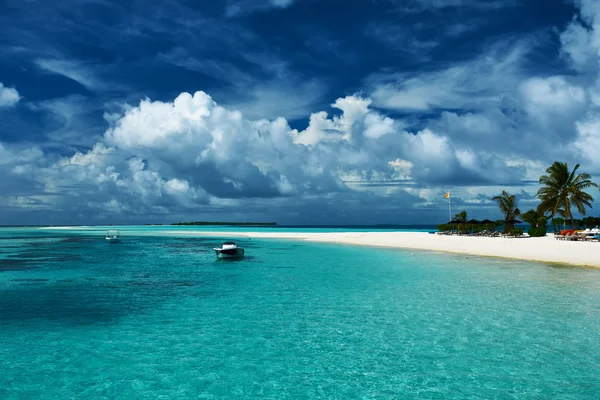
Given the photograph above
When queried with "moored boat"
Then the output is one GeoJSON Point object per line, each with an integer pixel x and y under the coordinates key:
{"type": "Point", "coordinates": [229, 250]}
{"type": "Point", "coordinates": [113, 236]}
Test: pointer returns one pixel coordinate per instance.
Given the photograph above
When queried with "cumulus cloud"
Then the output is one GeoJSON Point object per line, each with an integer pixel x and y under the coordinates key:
{"type": "Point", "coordinates": [581, 40]}
{"type": "Point", "coordinates": [496, 107]}
{"type": "Point", "coordinates": [8, 96]}
{"type": "Point", "coordinates": [581, 47]}
{"type": "Point", "coordinates": [99, 182]}
{"type": "Point", "coordinates": [192, 154]}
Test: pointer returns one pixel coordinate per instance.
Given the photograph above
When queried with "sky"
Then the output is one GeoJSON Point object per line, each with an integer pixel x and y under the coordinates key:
{"type": "Point", "coordinates": [293, 111]}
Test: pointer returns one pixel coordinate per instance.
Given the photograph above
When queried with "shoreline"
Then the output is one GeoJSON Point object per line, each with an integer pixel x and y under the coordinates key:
{"type": "Point", "coordinates": [541, 249]}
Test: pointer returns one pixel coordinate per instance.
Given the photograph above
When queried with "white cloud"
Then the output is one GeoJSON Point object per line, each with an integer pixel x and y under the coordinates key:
{"type": "Point", "coordinates": [588, 141]}
{"type": "Point", "coordinates": [581, 45]}
{"type": "Point", "coordinates": [356, 123]}
{"type": "Point", "coordinates": [192, 152]}
{"type": "Point", "coordinates": [553, 92]}
{"type": "Point", "coordinates": [581, 38]}
{"type": "Point", "coordinates": [8, 96]}
{"type": "Point", "coordinates": [492, 109]}
{"type": "Point", "coordinates": [552, 99]}
{"type": "Point", "coordinates": [402, 169]}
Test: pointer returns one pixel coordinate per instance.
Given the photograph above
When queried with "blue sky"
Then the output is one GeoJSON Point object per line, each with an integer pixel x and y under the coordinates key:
{"type": "Point", "coordinates": [295, 111]}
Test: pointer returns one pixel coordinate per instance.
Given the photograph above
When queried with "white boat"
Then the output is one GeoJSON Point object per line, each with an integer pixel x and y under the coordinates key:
{"type": "Point", "coordinates": [113, 236]}
{"type": "Point", "coordinates": [229, 250]}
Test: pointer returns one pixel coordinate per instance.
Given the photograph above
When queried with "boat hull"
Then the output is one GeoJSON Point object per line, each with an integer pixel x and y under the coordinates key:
{"type": "Point", "coordinates": [113, 240]}
{"type": "Point", "coordinates": [229, 253]}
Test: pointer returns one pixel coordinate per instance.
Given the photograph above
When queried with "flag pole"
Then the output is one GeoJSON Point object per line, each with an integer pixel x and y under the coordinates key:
{"type": "Point", "coordinates": [449, 207]}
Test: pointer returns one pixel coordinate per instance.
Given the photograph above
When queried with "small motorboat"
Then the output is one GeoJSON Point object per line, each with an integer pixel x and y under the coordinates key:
{"type": "Point", "coordinates": [113, 236]}
{"type": "Point", "coordinates": [229, 250]}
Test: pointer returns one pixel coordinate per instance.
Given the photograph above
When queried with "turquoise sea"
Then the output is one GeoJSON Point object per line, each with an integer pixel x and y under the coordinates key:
{"type": "Point", "coordinates": [157, 316]}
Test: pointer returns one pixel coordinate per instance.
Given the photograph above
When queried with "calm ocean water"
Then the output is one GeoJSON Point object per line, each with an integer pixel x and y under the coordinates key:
{"type": "Point", "coordinates": [158, 317]}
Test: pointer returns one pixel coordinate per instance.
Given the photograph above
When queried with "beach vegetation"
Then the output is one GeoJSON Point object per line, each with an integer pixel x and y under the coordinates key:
{"type": "Point", "coordinates": [461, 216]}
{"type": "Point", "coordinates": [557, 224]}
{"type": "Point", "coordinates": [537, 221]}
{"type": "Point", "coordinates": [563, 188]}
{"type": "Point", "coordinates": [590, 222]}
{"type": "Point", "coordinates": [508, 206]}
{"type": "Point", "coordinates": [516, 232]}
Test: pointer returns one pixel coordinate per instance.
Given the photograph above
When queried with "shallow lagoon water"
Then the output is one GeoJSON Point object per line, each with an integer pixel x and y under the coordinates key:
{"type": "Point", "coordinates": [159, 317]}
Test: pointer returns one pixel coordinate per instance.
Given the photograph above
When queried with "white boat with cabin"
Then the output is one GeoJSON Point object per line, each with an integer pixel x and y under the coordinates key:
{"type": "Point", "coordinates": [229, 250]}
{"type": "Point", "coordinates": [113, 236]}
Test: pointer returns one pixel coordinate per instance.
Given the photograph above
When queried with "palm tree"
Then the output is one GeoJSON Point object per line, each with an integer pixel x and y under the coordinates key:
{"type": "Point", "coordinates": [461, 216]}
{"type": "Point", "coordinates": [562, 188]}
{"type": "Point", "coordinates": [508, 205]}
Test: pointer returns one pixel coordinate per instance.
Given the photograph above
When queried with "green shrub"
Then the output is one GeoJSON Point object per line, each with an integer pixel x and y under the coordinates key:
{"type": "Point", "coordinates": [537, 232]}
{"type": "Point", "coordinates": [516, 232]}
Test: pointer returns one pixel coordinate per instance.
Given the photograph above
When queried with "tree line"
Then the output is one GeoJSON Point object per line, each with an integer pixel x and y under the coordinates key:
{"type": "Point", "coordinates": [561, 190]}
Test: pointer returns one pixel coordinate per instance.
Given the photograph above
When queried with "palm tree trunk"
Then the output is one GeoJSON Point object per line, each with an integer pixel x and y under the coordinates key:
{"type": "Point", "coordinates": [571, 218]}
{"type": "Point", "coordinates": [568, 213]}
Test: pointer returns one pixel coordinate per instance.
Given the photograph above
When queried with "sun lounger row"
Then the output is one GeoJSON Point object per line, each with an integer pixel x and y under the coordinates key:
{"type": "Point", "coordinates": [482, 233]}
{"type": "Point", "coordinates": [581, 236]}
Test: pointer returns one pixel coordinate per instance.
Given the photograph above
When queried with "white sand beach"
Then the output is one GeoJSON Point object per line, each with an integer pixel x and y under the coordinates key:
{"type": "Point", "coordinates": [545, 249]}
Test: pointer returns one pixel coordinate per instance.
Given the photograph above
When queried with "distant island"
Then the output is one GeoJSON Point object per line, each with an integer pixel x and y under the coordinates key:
{"type": "Point", "coordinates": [195, 223]}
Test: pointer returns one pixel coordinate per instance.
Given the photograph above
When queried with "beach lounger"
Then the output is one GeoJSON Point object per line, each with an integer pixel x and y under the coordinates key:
{"type": "Point", "coordinates": [575, 237]}
{"type": "Point", "coordinates": [568, 236]}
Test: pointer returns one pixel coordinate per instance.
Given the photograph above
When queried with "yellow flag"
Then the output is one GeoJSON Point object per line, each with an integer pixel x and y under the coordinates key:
{"type": "Point", "coordinates": [447, 195]}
